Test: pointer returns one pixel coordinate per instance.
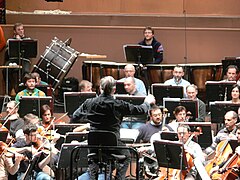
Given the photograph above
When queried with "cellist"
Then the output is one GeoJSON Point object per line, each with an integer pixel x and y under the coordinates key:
{"type": "Point", "coordinates": [230, 120]}
{"type": "Point", "coordinates": [229, 169]}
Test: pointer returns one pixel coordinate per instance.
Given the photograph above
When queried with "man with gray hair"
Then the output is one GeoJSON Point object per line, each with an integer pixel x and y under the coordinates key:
{"type": "Point", "coordinates": [105, 113]}
{"type": "Point", "coordinates": [129, 71]}
{"type": "Point", "coordinates": [192, 91]}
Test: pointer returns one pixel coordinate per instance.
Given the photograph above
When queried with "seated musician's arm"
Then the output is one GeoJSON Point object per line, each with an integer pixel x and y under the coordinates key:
{"type": "Point", "coordinates": [213, 146]}
{"type": "Point", "coordinates": [11, 167]}
{"type": "Point", "coordinates": [47, 159]}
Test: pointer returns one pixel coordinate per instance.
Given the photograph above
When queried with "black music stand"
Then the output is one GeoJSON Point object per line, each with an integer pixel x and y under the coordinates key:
{"type": "Point", "coordinates": [32, 104]}
{"type": "Point", "coordinates": [138, 54]}
{"type": "Point", "coordinates": [170, 155]}
{"type": "Point", "coordinates": [218, 90]}
{"type": "Point", "coordinates": [136, 100]}
{"type": "Point", "coordinates": [120, 88]}
{"type": "Point", "coordinates": [168, 135]}
{"type": "Point", "coordinates": [189, 104]}
{"type": "Point", "coordinates": [219, 109]}
{"type": "Point", "coordinates": [160, 91]}
{"type": "Point", "coordinates": [72, 100]}
{"type": "Point", "coordinates": [29, 172]}
{"type": "Point", "coordinates": [76, 136]}
{"type": "Point", "coordinates": [20, 49]}
{"type": "Point", "coordinates": [202, 131]}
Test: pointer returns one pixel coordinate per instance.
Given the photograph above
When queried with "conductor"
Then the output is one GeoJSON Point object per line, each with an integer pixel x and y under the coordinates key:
{"type": "Point", "coordinates": [105, 113]}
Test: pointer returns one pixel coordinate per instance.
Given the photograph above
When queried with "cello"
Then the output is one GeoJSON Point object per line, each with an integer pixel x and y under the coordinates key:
{"type": "Point", "coordinates": [227, 172]}
{"type": "Point", "coordinates": [223, 151]}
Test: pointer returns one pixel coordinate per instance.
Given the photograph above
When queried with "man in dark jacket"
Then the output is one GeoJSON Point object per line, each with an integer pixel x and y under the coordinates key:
{"type": "Point", "coordinates": [106, 113]}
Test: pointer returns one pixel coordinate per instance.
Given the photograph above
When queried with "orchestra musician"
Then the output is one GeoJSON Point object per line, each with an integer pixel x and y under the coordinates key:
{"type": "Point", "coordinates": [231, 74]}
{"type": "Point", "coordinates": [180, 113]}
{"type": "Point", "coordinates": [149, 40]}
{"type": "Point", "coordinates": [16, 123]}
{"type": "Point", "coordinates": [85, 86]}
{"type": "Point", "coordinates": [192, 91]}
{"type": "Point", "coordinates": [33, 148]}
{"type": "Point", "coordinates": [105, 113]}
{"type": "Point", "coordinates": [191, 147]}
{"type": "Point", "coordinates": [31, 90]}
{"type": "Point", "coordinates": [18, 33]}
{"type": "Point", "coordinates": [235, 94]}
{"type": "Point", "coordinates": [177, 80]}
{"type": "Point", "coordinates": [228, 168]}
{"type": "Point", "coordinates": [132, 122]}
{"type": "Point", "coordinates": [129, 71]}
{"type": "Point", "coordinates": [153, 126]}
{"type": "Point", "coordinates": [227, 132]}
{"type": "Point", "coordinates": [9, 162]}
{"type": "Point", "coordinates": [38, 79]}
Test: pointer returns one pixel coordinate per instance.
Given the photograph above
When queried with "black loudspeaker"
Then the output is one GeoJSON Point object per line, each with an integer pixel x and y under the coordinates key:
{"type": "Point", "coordinates": [69, 84]}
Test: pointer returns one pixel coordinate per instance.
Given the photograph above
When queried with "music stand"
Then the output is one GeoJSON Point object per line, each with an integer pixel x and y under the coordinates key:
{"type": "Point", "coordinates": [136, 100]}
{"type": "Point", "coordinates": [170, 155]}
{"type": "Point", "coordinates": [160, 91]}
{"type": "Point", "coordinates": [20, 49]}
{"type": "Point", "coordinates": [218, 90]}
{"type": "Point", "coordinates": [189, 104]}
{"type": "Point", "coordinates": [120, 88]}
{"type": "Point", "coordinates": [168, 135]}
{"type": "Point", "coordinates": [29, 171]}
{"type": "Point", "coordinates": [219, 109]}
{"type": "Point", "coordinates": [138, 54]}
{"type": "Point", "coordinates": [76, 136]}
{"type": "Point", "coordinates": [65, 156]}
{"type": "Point", "coordinates": [203, 131]}
{"type": "Point", "coordinates": [32, 104]}
{"type": "Point", "coordinates": [72, 100]}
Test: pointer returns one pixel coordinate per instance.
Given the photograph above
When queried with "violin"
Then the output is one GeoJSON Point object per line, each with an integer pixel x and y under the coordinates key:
{"type": "Point", "coordinates": [9, 152]}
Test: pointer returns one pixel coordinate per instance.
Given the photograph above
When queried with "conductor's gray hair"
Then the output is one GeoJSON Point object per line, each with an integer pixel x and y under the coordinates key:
{"type": "Point", "coordinates": [107, 85]}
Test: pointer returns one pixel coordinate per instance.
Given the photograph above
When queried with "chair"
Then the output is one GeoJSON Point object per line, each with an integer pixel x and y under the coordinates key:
{"type": "Point", "coordinates": [104, 157]}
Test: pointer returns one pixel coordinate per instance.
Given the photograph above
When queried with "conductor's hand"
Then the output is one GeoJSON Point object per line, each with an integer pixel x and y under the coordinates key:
{"type": "Point", "coordinates": [150, 99]}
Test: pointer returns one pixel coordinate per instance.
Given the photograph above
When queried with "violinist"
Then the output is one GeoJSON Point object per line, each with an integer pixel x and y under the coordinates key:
{"type": "Point", "coordinates": [45, 127]}
{"type": "Point", "coordinates": [31, 150]}
{"type": "Point", "coordinates": [226, 133]}
{"type": "Point", "coordinates": [180, 113]}
{"type": "Point", "coordinates": [16, 123]}
{"type": "Point", "coordinates": [7, 164]}
{"type": "Point", "coordinates": [46, 116]}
